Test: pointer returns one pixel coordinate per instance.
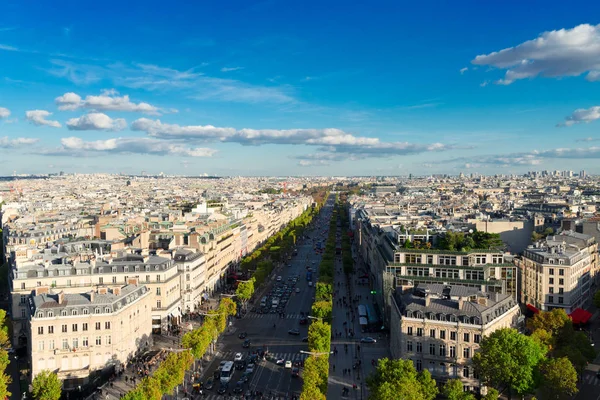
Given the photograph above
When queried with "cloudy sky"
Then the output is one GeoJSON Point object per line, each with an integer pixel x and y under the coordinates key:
{"type": "Point", "coordinates": [299, 88]}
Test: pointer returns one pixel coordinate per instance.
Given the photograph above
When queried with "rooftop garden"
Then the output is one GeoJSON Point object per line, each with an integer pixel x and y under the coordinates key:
{"type": "Point", "coordinates": [460, 242]}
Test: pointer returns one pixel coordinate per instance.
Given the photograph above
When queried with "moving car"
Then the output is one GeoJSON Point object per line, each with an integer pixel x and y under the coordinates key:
{"type": "Point", "coordinates": [288, 364]}
{"type": "Point", "coordinates": [239, 387]}
{"type": "Point", "coordinates": [297, 290]}
{"type": "Point", "coordinates": [294, 332]}
{"type": "Point", "coordinates": [223, 388]}
{"type": "Point", "coordinates": [238, 357]}
{"type": "Point", "coordinates": [243, 335]}
{"type": "Point", "coordinates": [279, 278]}
{"type": "Point", "coordinates": [246, 343]}
{"type": "Point", "coordinates": [250, 368]}
{"type": "Point", "coordinates": [280, 361]}
{"type": "Point", "coordinates": [368, 339]}
{"type": "Point", "coordinates": [209, 384]}
{"type": "Point", "coordinates": [295, 372]}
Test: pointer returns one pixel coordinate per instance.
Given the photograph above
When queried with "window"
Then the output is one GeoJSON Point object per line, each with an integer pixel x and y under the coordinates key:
{"type": "Point", "coordinates": [443, 334]}
{"type": "Point", "coordinates": [561, 281]}
{"type": "Point", "coordinates": [419, 347]}
{"type": "Point", "coordinates": [466, 372]}
{"type": "Point", "coordinates": [419, 365]}
{"type": "Point", "coordinates": [157, 278]}
{"type": "Point", "coordinates": [550, 271]}
{"type": "Point", "coordinates": [65, 344]}
{"type": "Point", "coordinates": [86, 311]}
{"type": "Point", "coordinates": [23, 299]}
{"type": "Point", "coordinates": [98, 340]}
{"type": "Point", "coordinates": [467, 352]}
{"type": "Point", "coordinates": [63, 313]}
{"type": "Point", "coordinates": [158, 291]}
{"type": "Point", "coordinates": [158, 304]}
{"type": "Point", "coordinates": [429, 259]}
{"type": "Point", "coordinates": [551, 281]}
{"type": "Point", "coordinates": [84, 341]}
{"type": "Point", "coordinates": [107, 310]}
{"type": "Point", "coordinates": [23, 286]}
{"type": "Point", "coordinates": [107, 325]}
{"type": "Point", "coordinates": [453, 351]}
{"type": "Point", "coordinates": [443, 350]}
{"type": "Point", "coordinates": [452, 335]}
{"type": "Point", "coordinates": [97, 311]}
{"type": "Point", "coordinates": [551, 290]}
{"type": "Point", "coordinates": [550, 299]}
{"type": "Point", "coordinates": [108, 340]}
{"type": "Point", "coordinates": [561, 272]}
{"type": "Point", "coordinates": [84, 327]}
{"type": "Point", "coordinates": [477, 338]}
{"type": "Point", "coordinates": [74, 312]}
{"type": "Point", "coordinates": [114, 279]}
{"type": "Point", "coordinates": [64, 328]}
{"type": "Point", "coordinates": [147, 278]}
{"type": "Point", "coordinates": [101, 281]}
{"type": "Point", "coordinates": [75, 343]}
{"type": "Point", "coordinates": [74, 328]}
{"type": "Point", "coordinates": [98, 327]}
{"type": "Point", "coordinates": [50, 314]}
{"type": "Point", "coordinates": [23, 313]}
{"type": "Point", "coordinates": [40, 330]}
{"type": "Point", "coordinates": [560, 300]}
{"type": "Point", "coordinates": [419, 331]}
{"type": "Point", "coordinates": [432, 349]}
{"type": "Point", "coordinates": [51, 344]}
{"type": "Point", "coordinates": [432, 333]}
{"type": "Point", "coordinates": [466, 337]}
{"type": "Point", "coordinates": [40, 345]}
{"type": "Point", "coordinates": [409, 331]}
{"type": "Point", "coordinates": [409, 346]}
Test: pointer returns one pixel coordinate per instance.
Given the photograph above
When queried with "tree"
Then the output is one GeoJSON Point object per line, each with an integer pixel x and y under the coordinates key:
{"type": "Point", "coordinates": [453, 390]}
{"type": "Point", "coordinates": [245, 290]}
{"type": "Point", "coordinates": [551, 321]}
{"type": "Point", "coordinates": [319, 336]}
{"type": "Point", "coordinates": [322, 309]}
{"type": "Point", "coordinates": [597, 299]}
{"type": "Point", "coordinates": [507, 358]}
{"type": "Point", "coordinates": [399, 380]}
{"type": "Point", "coordinates": [559, 378]}
{"type": "Point", "coordinates": [492, 394]}
{"type": "Point", "coordinates": [46, 386]}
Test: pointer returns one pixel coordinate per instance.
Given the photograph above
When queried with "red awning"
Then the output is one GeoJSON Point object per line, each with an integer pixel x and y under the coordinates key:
{"type": "Point", "coordinates": [533, 309]}
{"type": "Point", "coordinates": [580, 316]}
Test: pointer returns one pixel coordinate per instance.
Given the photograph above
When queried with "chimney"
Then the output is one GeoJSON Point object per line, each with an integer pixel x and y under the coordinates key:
{"type": "Point", "coordinates": [132, 281]}
{"type": "Point", "coordinates": [102, 290]}
{"type": "Point", "coordinates": [41, 290]}
{"type": "Point", "coordinates": [117, 291]}
{"type": "Point", "coordinates": [427, 300]}
{"type": "Point", "coordinates": [92, 294]}
{"type": "Point", "coordinates": [61, 297]}
{"type": "Point", "coordinates": [461, 302]}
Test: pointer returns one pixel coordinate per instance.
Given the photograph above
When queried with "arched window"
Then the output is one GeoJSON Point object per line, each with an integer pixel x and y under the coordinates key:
{"type": "Point", "coordinates": [40, 315]}
{"type": "Point", "coordinates": [97, 310]}
{"type": "Point", "coordinates": [86, 311]}
{"type": "Point", "coordinates": [107, 310]}
{"type": "Point", "coordinates": [74, 312]}
{"type": "Point", "coordinates": [63, 313]}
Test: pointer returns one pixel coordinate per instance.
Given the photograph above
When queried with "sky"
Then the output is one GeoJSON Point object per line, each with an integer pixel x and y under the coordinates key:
{"type": "Point", "coordinates": [299, 88]}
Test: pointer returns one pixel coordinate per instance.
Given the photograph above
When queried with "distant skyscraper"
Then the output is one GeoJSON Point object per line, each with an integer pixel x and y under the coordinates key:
{"type": "Point", "coordinates": [582, 174]}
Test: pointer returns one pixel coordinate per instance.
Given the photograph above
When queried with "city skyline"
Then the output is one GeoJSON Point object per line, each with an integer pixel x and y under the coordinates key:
{"type": "Point", "coordinates": [260, 88]}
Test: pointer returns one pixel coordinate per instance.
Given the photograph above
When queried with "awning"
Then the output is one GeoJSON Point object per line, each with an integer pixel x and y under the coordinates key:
{"type": "Point", "coordinates": [533, 309]}
{"type": "Point", "coordinates": [363, 321]}
{"type": "Point", "coordinates": [580, 316]}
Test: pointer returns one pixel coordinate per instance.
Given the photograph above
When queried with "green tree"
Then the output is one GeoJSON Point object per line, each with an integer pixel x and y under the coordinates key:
{"type": "Point", "coordinates": [319, 336]}
{"type": "Point", "coordinates": [322, 309]}
{"type": "Point", "coordinates": [453, 390]}
{"type": "Point", "coordinates": [492, 394]}
{"type": "Point", "coordinates": [399, 380]}
{"type": "Point", "coordinates": [551, 321]}
{"type": "Point", "coordinates": [46, 386]}
{"type": "Point", "coordinates": [245, 290]}
{"type": "Point", "coordinates": [597, 299]}
{"type": "Point", "coordinates": [559, 378]}
{"type": "Point", "coordinates": [507, 358]}
{"type": "Point", "coordinates": [5, 380]}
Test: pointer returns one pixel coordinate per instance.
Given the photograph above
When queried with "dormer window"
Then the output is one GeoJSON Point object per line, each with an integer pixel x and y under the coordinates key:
{"type": "Point", "coordinates": [125, 269]}
{"type": "Point", "coordinates": [114, 269]}
{"type": "Point", "coordinates": [137, 268]}
{"type": "Point", "coordinates": [86, 311]}
{"type": "Point", "coordinates": [107, 310]}
{"type": "Point", "coordinates": [50, 314]}
{"type": "Point", "coordinates": [97, 311]}
{"type": "Point", "coordinates": [147, 268]}
{"type": "Point", "coordinates": [101, 270]}
{"type": "Point", "coordinates": [63, 313]}
{"type": "Point", "coordinates": [74, 312]}
{"type": "Point", "coordinates": [40, 315]}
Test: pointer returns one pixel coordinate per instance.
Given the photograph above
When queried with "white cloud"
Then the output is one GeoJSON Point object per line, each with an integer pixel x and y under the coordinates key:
{"type": "Point", "coordinates": [96, 121]}
{"type": "Point", "coordinates": [484, 83]}
{"type": "Point", "coordinates": [79, 74]}
{"type": "Point", "coordinates": [8, 143]}
{"type": "Point", "coordinates": [582, 115]}
{"type": "Point", "coordinates": [230, 69]}
{"type": "Point", "coordinates": [564, 52]}
{"type": "Point", "coordinates": [38, 117]}
{"type": "Point", "coordinates": [8, 48]}
{"type": "Point", "coordinates": [74, 145]}
{"type": "Point", "coordinates": [463, 70]}
{"type": "Point", "coordinates": [4, 112]}
{"type": "Point", "coordinates": [107, 101]}
{"type": "Point", "coordinates": [587, 139]}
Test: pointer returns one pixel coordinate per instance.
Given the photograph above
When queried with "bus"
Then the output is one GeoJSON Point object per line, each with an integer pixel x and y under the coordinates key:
{"type": "Point", "coordinates": [309, 276]}
{"type": "Point", "coordinates": [227, 372]}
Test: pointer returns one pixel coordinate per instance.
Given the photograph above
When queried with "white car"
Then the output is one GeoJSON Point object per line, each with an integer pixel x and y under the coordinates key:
{"type": "Point", "coordinates": [288, 364]}
{"type": "Point", "coordinates": [297, 290]}
{"type": "Point", "coordinates": [279, 278]}
{"type": "Point", "coordinates": [250, 368]}
{"type": "Point", "coordinates": [238, 357]}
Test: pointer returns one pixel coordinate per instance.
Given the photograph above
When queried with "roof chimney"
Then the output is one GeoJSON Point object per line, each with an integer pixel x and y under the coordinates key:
{"type": "Point", "coordinates": [61, 297]}
{"type": "Point", "coordinates": [41, 290]}
{"type": "Point", "coordinates": [92, 294]}
{"type": "Point", "coordinates": [427, 300]}
{"type": "Point", "coordinates": [102, 290]}
{"type": "Point", "coordinates": [132, 281]}
{"type": "Point", "coordinates": [461, 302]}
{"type": "Point", "coordinates": [117, 291]}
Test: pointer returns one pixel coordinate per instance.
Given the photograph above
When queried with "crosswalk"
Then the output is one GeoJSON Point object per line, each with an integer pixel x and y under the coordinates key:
{"type": "Point", "coordinates": [589, 379]}
{"type": "Point", "coordinates": [230, 355]}
{"type": "Point", "coordinates": [271, 316]}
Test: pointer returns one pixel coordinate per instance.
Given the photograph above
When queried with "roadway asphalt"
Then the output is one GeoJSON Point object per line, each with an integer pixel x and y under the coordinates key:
{"type": "Point", "coordinates": [275, 381]}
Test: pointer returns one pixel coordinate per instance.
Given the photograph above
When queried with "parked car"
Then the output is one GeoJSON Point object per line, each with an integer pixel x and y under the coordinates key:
{"type": "Point", "coordinates": [294, 332]}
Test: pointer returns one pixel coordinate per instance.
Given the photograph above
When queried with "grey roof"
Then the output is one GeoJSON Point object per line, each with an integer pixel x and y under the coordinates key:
{"type": "Point", "coordinates": [477, 307]}
{"type": "Point", "coordinates": [89, 301]}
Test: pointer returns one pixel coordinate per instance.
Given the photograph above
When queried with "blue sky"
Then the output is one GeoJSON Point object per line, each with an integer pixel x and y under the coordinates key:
{"type": "Point", "coordinates": [299, 88]}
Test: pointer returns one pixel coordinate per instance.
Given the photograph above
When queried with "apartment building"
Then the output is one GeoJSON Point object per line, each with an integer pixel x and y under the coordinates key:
{"type": "Point", "coordinates": [79, 334]}
{"type": "Point", "coordinates": [557, 272]}
{"type": "Point", "coordinates": [439, 327]}
{"type": "Point", "coordinates": [191, 266]}
{"type": "Point", "coordinates": [76, 274]}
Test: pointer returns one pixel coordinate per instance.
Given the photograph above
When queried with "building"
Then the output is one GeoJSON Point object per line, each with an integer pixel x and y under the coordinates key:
{"type": "Point", "coordinates": [191, 266]}
{"type": "Point", "coordinates": [81, 334]}
{"type": "Point", "coordinates": [557, 272]}
{"type": "Point", "coordinates": [439, 327]}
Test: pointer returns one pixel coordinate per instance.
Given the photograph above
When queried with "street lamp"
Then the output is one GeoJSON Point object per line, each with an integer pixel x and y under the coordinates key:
{"type": "Point", "coordinates": [319, 318]}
